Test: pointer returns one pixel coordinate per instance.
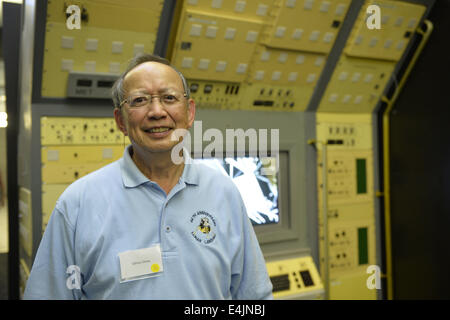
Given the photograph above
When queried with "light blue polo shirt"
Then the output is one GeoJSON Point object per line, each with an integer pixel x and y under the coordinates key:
{"type": "Point", "coordinates": [117, 209]}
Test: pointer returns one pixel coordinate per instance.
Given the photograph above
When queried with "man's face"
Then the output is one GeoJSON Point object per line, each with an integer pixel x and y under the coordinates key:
{"type": "Point", "coordinates": [150, 127]}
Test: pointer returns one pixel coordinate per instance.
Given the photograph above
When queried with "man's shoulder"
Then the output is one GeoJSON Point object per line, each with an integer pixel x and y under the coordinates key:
{"type": "Point", "coordinates": [92, 183]}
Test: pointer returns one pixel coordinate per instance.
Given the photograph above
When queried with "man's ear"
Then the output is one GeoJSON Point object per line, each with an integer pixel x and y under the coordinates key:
{"type": "Point", "coordinates": [118, 116]}
{"type": "Point", "coordinates": [191, 112]}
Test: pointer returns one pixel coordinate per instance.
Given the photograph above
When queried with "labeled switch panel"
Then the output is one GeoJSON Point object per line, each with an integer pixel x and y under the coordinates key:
{"type": "Point", "coordinates": [356, 85]}
{"type": "Point", "coordinates": [267, 97]}
{"type": "Point", "coordinates": [249, 9]}
{"type": "Point", "coordinates": [288, 68]}
{"type": "Point", "coordinates": [72, 148]}
{"type": "Point", "coordinates": [216, 95]}
{"type": "Point", "coordinates": [351, 246]}
{"type": "Point", "coordinates": [90, 85]}
{"type": "Point", "coordinates": [110, 33]}
{"type": "Point", "coordinates": [309, 25]}
{"type": "Point", "coordinates": [295, 278]}
{"type": "Point", "coordinates": [399, 20]}
{"type": "Point", "coordinates": [348, 196]}
{"type": "Point", "coordinates": [349, 177]}
{"type": "Point", "coordinates": [215, 47]}
{"type": "Point", "coordinates": [230, 42]}
{"type": "Point", "coordinates": [80, 131]}
{"type": "Point", "coordinates": [344, 131]}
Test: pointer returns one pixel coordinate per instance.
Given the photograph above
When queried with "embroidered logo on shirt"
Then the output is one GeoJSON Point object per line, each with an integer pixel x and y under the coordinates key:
{"type": "Point", "coordinates": [204, 227]}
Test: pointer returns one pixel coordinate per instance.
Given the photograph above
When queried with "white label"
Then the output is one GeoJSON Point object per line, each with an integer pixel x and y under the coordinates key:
{"type": "Point", "coordinates": [196, 30]}
{"type": "Point", "coordinates": [229, 33]}
{"type": "Point", "coordinates": [221, 65]}
{"type": "Point", "coordinates": [91, 44]}
{"type": "Point", "coordinates": [262, 10]}
{"type": "Point", "coordinates": [107, 153]}
{"type": "Point", "coordinates": [67, 42]}
{"type": "Point", "coordinates": [117, 47]}
{"type": "Point", "coordinates": [141, 263]}
{"type": "Point", "coordinates": [211, 32]}
{"type": "Point", "coordinates": [52, 155]}
{"type": "Point", "coordinates": [251, 36]}
{"type": "Point", "coordinates": [240, 6]}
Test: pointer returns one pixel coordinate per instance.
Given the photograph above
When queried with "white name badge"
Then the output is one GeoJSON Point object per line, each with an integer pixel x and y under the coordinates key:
{"type": "Point", "coordinates": [141, 263]}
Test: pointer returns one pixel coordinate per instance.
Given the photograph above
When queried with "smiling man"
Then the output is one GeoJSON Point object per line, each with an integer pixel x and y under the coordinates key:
{"type": "Point", "coordinates": [144, 227]}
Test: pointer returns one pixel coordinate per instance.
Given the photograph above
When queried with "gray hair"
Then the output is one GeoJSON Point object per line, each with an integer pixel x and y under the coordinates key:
{"type": "Point", "coordinates": [117, 91]}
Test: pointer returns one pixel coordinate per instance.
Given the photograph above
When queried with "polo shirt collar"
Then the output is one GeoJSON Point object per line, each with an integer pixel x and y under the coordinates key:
{"type": "Point", "coordinates": [133, 177]}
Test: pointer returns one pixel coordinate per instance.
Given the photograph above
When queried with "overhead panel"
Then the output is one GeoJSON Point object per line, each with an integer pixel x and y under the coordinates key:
{"type": "Point", "coordinates": [255, 55]}
{"type": "Point", "coordinates": [370, 57]}
{"type": "Point", "coordinates": [356, 85]}
{"type": "Point", "coordinates": [399, 20]}
{"type": "Point", "coordinates": [215, 47]}
{"type": "Point", "coordinates": [309, 25]}
{"type": "Point", "coordinates": [111, 32]}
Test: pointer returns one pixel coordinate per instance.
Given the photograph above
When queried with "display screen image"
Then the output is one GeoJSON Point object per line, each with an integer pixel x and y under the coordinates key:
{"type": "Point", "coordinates": [257, 182]}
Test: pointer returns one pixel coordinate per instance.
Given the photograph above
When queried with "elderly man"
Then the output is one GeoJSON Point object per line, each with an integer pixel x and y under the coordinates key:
{"type": "Point", "coordinates": [145, 227]}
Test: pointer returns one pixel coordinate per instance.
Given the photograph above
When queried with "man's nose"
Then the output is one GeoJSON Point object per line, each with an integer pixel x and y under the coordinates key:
{"type": "Point", "coordinates": [156, 109]}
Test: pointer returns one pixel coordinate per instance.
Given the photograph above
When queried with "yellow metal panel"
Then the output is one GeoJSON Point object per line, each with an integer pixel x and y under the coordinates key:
{"type": "Point", "coordinates": [60, 173]}
{"type": "Point", "coordinates": [50, 194]}
{"type": "Point", "coordinates": [257, 10]}
{"type": "Point", "coordinates": [285, 68]}
{"type": "Point", "coordinates": [73, 130]}
{"type": "Point", "coordinates": [269, 97]}
{"type": "Point", "coordinates": [214, 47]}
{"type": "Point", "coordinates": [342, 176]}
{"type": "Point", "coordinates": [352, 287]}
{"type": "Point", "coordinates": [399, 20]}
{"type": "Point", "coordinates": [349, 212]}
{"type": "Point", "coordinates": [135, 15]}
{"type": "Point", "coordinates": [353, 130]}
{"type": "Point", "coordinates": [344, 256]}
{"type": "Point", "coordinates": [356, 85]}
{"type": "Point", "coordinates": [216, 95]}
{"type": "Point", "coordinates": [80, 154]}
{"type": "Point", "coordinates": [24, 273]}
{"type": "Point", "coordinates": [305, 25]}
{"type": "Point", "coordinates": [291, 269]}
{"type": "Point", "coordinates": [128, 24]}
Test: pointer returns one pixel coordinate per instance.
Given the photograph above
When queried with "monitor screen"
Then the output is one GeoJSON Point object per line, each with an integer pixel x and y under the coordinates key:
{"type": "Point", "coordinates": [256, 179]}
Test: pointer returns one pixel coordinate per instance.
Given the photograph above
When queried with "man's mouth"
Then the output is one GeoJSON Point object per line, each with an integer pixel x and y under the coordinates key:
{"type": "Point", "coordinates": [158, 129]}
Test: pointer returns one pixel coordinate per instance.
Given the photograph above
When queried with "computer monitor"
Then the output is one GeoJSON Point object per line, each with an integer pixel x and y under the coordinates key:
{"type": "Point", "coordinates": [285, 220]}
{"type": "Point", "coordinates": [257, 180]}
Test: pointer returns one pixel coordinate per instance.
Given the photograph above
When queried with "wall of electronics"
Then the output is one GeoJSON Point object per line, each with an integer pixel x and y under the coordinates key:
{"type": "Point", "coordinates": [247, 60]}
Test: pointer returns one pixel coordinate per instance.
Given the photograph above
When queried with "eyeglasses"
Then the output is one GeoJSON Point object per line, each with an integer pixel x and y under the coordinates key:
{"type": "Point", "coordinates": [141, 100]}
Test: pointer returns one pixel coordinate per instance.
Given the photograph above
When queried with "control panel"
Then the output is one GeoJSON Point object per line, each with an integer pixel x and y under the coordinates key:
{"type": "Point", "coordinates": [109, 34]}
{"type": "Point", "coordinates": [295, 278]}
{"type": "Point", "coordinates": [345, 128]}
{"type": "Point", "coordinates": [349, 199]}
{"type": "Point", "coordinates": [257, 55]}
{"type": "Point", "coordinates": [71, 148]}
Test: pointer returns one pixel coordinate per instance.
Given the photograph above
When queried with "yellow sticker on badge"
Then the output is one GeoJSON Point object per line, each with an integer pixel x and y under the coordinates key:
{"type": "Point", "coordinates": [155, 267]}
